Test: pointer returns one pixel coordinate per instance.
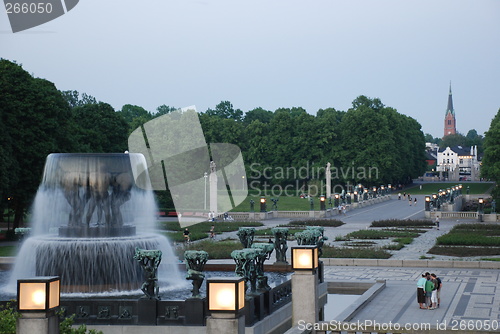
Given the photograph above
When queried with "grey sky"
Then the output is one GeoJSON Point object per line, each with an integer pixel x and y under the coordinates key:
{"type": "Point", "coordinates": [274, 53]}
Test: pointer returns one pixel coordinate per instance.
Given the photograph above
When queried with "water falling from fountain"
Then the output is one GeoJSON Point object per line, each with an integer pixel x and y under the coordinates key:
{"type": "Point", "coordinates": [90, 213]}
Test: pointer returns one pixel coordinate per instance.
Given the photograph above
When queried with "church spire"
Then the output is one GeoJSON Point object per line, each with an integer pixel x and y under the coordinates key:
{"type": "Point", "coordinates": [449, 119]}
{"type": "Point", "coordinates": [450, 109]}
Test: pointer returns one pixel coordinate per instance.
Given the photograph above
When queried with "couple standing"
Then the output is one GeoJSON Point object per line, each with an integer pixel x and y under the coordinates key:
{"type": "Point", "coordinates": [428, 291]}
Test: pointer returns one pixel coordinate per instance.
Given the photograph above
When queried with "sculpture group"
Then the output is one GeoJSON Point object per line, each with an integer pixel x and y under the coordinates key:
{"type": "Point", "coordinates": [98, 191]}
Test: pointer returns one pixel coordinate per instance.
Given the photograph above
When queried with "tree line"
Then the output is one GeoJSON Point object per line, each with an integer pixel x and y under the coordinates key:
{"type": "Point", "coordinates": [37, 119]}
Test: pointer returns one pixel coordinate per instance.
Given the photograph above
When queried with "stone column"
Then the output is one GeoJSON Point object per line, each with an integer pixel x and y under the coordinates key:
{"type": "Point", "coordinates": [328, 181]}
{"type": "Point", "coordinates": [225, 324]}
{"type": "Point", "coordinates": [213, 188]}
{"type": "Point", "coordinates": [305, 297]}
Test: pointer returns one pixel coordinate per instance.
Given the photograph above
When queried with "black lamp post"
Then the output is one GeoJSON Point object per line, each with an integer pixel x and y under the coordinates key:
{"type": "Point", "coordinates": [322, 199]}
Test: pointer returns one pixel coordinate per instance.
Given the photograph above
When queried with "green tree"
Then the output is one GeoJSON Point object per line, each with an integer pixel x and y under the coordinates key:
{"type": "Point", "coordinates": [101, 129]}
{"type": "Point", "coordinates": [37, 121]}
{"type": "Point", "coordinates": [262, 115]}
{"type": "Point", "coordinates": [452, 140]}
{"type": "Point", "coordinates": [225, 109]}
{"type": "Point", "coordinates": [74, 100]}
{"type": "Point", "coordinates": [473, 139]}
{"type": "Point", "coordinates": [491, 160]}
{"type": "Point", "coordinates": [163, 110]}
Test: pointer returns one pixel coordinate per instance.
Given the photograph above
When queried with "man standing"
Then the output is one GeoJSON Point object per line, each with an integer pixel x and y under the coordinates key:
{"type": "Point", "coordinates": [439, 284]}
{"type": "Point", "coordinates": [421, 292]}
{"type": "Point", "coordinates": [437, 223]}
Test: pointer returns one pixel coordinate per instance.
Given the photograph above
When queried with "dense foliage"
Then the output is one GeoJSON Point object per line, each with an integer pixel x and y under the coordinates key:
{"type": "Point", "coordinates": [491, 161]}
{"type": "Point", "coordinates": [369, 143]}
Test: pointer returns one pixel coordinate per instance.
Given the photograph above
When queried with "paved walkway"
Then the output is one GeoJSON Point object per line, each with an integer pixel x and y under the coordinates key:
{"type": "Point", "coordinates": [468, 296]}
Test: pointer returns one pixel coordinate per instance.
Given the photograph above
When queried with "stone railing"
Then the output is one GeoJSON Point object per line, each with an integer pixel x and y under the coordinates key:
{"type": "Point", "coordinates": [490, 217]}
{"type": "Point", "coordinates": [459, 214]}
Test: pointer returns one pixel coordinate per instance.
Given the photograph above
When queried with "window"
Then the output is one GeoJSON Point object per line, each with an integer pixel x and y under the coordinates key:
{"type": "Point", "coordinates": [449, 122]}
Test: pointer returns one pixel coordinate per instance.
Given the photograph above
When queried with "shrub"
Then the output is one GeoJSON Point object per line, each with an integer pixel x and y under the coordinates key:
{"type": "Point", "coordinates": [384, 234]}
{"type": "Point", "coordinates": [358, 253]}
{"type": "Point", "coordinates": [402, 223]}
{"type": "Point", "coordinates": [468, 239]}
{"type": "Point", "coordinates": [220, 249]}
{"type": "Point", "coordinates": [65, 327]}
{"type": "Point", "coordinates": [464, 251]}
{"type": "Point", "coordinates": [8, 318]}
{"type": "Point", "coordinates": [318, 222]}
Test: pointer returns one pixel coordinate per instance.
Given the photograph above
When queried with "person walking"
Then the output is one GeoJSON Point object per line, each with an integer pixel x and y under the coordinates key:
{"type": "Point", "coordinates": [421, 292]}
{"type": "Point", "coordinates": [415, 202]}
{"type": "Point", "coordinates": [399, 196]}
{"type": "Point", "coordinates": [212, 232]}
{"type": "Point", "coordinates": [186, 234]}
{"type": "Point", "coordinates": [437, 223]}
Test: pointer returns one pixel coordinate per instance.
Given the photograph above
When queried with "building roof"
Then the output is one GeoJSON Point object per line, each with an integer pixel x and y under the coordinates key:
{"type": "Point", "coordinates": [449, 108]}
{"type": "Point", "coordinates": [429, 156]}
{"type": "Point", "coordinates": [459, 150]}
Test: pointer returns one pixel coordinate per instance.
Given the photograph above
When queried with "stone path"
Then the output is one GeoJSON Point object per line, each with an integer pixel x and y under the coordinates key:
{"type": "Point", "coordinates": [469, 296]}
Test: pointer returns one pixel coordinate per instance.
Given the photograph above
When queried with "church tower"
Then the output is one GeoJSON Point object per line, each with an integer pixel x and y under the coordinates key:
{"type": "Point", "coordinates": [450, 127]}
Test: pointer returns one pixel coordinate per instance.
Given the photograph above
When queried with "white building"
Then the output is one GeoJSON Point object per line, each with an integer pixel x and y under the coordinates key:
{"type": "Point", "coordinates": [458, 163]}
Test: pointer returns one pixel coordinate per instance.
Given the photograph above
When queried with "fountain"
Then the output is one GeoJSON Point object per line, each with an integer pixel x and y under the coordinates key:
{"type": "Point", "coordinates": [90, 214]}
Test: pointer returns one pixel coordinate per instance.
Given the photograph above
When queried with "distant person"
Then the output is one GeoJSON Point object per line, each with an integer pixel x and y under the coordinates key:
{"type": "Point", "coordinates": [404, 195]}
{"type": "Point", "coordinates": [409, 200]}
{"type": "Point", "coordinates": [415, 201]}
{"type": "Point", "coordinates": [186, 234]}
{"type": "Point", "coordinates": [212, 232]}
{"type": "Point", "coordinates": [399, 196]}
{"type": "Point", "coordinates": [437, 223]}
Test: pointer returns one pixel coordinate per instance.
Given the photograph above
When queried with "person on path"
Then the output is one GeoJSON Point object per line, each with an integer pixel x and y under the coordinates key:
{"type": "Point", "coordinates": [399, 196]}
{"type": "Point", "coordinates": [212, 232]}
{"type": "Point", "coordinates": [421, 292]}
{"type": "Point", "coordinates": [439, 284]}
{"type": "Point", "coordinates": [186, 233]}
{"type": "Point", "coordinates": [434, 299]}
{"type": "Point", "coordinates": [415, 202]}
{"type": "Point", "coordinates": [437, 223]}
{"type": "Point", "coordinates": [428, 287]}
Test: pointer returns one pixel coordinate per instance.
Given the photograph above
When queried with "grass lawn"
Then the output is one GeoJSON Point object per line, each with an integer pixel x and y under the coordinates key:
{"type": "Point", "coordinates": [8, 250]}
{"type": "Point", "coordinates": [431, 188]}
{"type": "Point", "coordinates": [293, 203]}
{"type": "Point", "coordinates": [469, 240]}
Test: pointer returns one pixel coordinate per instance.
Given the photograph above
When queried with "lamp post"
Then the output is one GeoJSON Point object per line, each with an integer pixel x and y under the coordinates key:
{"type": "Point", "coordinates": [226, 302]}
{"type": "Point", "coordinates": [427, 203]}
{"type": "Point", "coordinates": [37, 301]}
{"type": "Point", "coordinates": [337, 200]}
{"type": "Point", "coordinates": [305, 285]}
{"type": "Point", "coordinates": [480, 209]}
{"type": "Point", "coordinates": [262, 204]}
{"type": "Point", "coordinates": [348, 198]}
{"type": "Point", "coordinates": [322, 199]}
{"type": "Point", "coordinates": [355, 196]}
{"type": "Point", "coordinates": [242, 182]}
{"type": "Point", "coordinates": [8, 212]}
{"type": "Point", "coordinates": [205, 176]}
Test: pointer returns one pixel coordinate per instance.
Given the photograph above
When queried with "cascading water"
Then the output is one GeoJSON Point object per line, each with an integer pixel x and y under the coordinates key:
{"type": "Point", "coordinates": [90, 213]}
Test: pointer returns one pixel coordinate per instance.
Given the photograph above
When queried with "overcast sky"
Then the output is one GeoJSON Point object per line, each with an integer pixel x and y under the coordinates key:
{"type": "Point", "coordinates": [274, 53]}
